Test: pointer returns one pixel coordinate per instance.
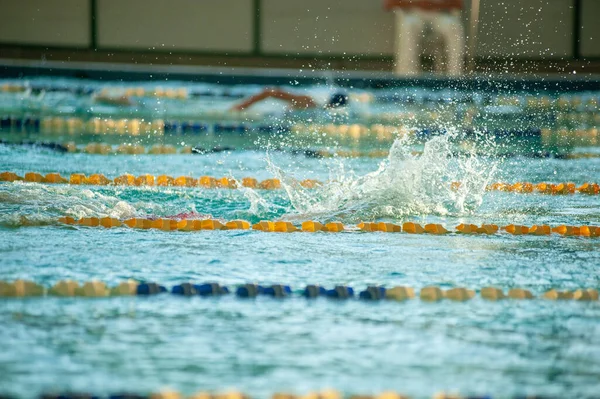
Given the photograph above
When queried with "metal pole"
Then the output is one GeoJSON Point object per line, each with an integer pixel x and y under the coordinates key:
{"type": "Point", "coordinates": [473, 24]}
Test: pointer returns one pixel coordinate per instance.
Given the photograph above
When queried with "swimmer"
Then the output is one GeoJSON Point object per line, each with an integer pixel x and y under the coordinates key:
{"type": "Point", "coordinates": [296, 101]}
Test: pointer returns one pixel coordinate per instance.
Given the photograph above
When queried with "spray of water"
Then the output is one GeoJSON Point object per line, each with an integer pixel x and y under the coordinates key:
{"type": "Point", "coordinates": [404, 184]}
{"type": "Point", "coordinates": [40, 204]}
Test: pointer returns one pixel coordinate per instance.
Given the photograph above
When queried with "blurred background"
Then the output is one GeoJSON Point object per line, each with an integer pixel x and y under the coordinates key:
{"type": "Point", "coordinates": [515, 36]}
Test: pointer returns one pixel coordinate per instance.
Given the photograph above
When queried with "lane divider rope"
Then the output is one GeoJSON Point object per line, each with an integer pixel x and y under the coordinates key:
{"type": "Point", "coordinates": [95, 288]}
{"type": "Point", "coordinates": [311, 226]}
{"type": "Point", "coordinates": [379, 131]}
{"type": "Point", "coordinates": [98, 148]}
{"type": "Point", "coordinates": [325, 394]}
{"type": "Point", "coordinates": [167, 149]}
{"type": "Point", "coordinates": [227, 182]}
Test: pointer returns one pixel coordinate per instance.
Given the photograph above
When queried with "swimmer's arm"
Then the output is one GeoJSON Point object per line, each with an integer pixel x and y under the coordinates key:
{"type": "Point", "coordinates": [296, 101]}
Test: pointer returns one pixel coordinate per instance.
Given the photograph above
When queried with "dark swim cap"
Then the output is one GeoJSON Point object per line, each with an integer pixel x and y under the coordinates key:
{"type": "Point", "coordinates": [338, 100]}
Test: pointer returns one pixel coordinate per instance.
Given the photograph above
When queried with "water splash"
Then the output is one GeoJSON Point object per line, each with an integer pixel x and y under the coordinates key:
{"type": "Point", "coordinates": [40, 204]}
{"type": "Point", "coordinates": [403, 185]}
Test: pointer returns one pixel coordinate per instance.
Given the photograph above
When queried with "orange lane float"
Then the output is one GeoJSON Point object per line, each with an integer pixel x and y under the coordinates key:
{"type": "Point", "coordinates": [77, 178]}
{"type": "Point", "coordinates": [211, 224]}
{"type": "Point", "coordinates": [182, 181]}
{"type": "Point", "coordinates": [412, 228]}
{"type": "Point", "coordinates": [312, 226]}
{"type": "Point", "coordinates": [334, 227]}
{"type": "Point", "coordinates": [492, 293]}
{"type": "Point", "coordinates": [144, 180]}
{"type": "Point", "coordinates": [388, 227]}
{"type": "Point", "coordinates": [33, 177]}
{"type": "Point", "coordinates": [237, 225]}
{"type": "Point", "coordinates": [110, 222]}
{"type": "Point", "coordinates": [9, 177]}
{"type": "Point", "coordinates": [136, 223]}
{"type": "Point", "coordinates": [226, 182]}
{"type": "Point", "coordinates": [270, 184]}
{"type": "Point", "coordinates": [284, 227]}
{"type": "Point", "coordinates": [516, 229]}
{"type": "Point", "coordinates": [125, 180]}
{"type": "Point", "coordinates": [164, 224]}
{"type": "Point", "coordinates": [97, 180]}
{"type": "Point", "coordinates": [249, 182]}
{"type": "Point", "coordinates": [564, 230]}
{"type": "Point", "coordinates": [459, 294]}
{"type": "Point", "coordinates": [189, 225]}
{"type": "Point", "coordinates": [488, 229]}
{"type": "Point", "coordinates": [207, 182]}
{"type": "Point", "coordinates": [89, 222]}
{"type": "Point", "coordinates": [438, 229]}
{"type": "Point", "coordinates": [540, 230]}
{"type": "Point", "coordinates": [367, 226]}
{"type": "Point", "coordinates": [55, 178]}
{"type": "Point", "coordinates": [164, 180]}
{"type": "Point", "coordinates": [67, 220]}
{"type": "Point", "coordinates": [381, 226]}
{"type": "Point", "coordinates": [590, 189]}
{"type": "Point", "coordinates": [467, 228]}
{"type": "Point", "coordinates": [520, 293]}
{"type": "Point", "coordinates": [264, 225]}
{"type": "Point", "coordinates": [310, 183]}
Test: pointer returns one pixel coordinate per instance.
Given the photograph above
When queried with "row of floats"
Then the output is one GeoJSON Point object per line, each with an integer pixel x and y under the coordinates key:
{"type": "Point", "coordinates": [311, 226]}
{"type": "Point", "coordinates": [99, 179]}
{"type": "Point", "coordinates": [138, 91]}
{"type": "Point", "coordinates": [70, 288]}
{"type": "Point", "coordinates": [326, 394]}
{"type": "Point", "coordinates": [97, 148]}
{"type": "Point", "coordinates": [567, 188]}
{"type": "Point", "coordinates": [378, 131]}
{"type": "Point", "coordinates": [131, 126]}
{"type": "Point", "coordinates": [167, 149]}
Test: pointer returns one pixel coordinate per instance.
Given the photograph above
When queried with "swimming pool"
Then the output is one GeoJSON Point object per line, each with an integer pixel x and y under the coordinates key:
{"type": "Point", "coordinates": [265, 345]}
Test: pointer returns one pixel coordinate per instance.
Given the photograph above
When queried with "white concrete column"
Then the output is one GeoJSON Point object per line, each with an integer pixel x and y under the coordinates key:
{"type": "Point", "coordinates": [449, 27]}
{"type": "Point", "coordinates": [409, 30]}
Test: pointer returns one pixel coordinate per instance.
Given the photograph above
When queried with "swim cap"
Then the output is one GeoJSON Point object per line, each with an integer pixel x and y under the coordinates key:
{"type": "Point", "coordinates": [338, 100]}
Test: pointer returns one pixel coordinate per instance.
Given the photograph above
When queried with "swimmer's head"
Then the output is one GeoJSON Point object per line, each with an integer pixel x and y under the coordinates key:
{"type": "Point", "coordinates": [338, 100]}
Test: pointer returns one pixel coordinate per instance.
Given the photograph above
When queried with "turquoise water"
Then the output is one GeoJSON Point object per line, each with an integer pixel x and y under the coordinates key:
{"type": "Point", "coordinates": [267, 345]}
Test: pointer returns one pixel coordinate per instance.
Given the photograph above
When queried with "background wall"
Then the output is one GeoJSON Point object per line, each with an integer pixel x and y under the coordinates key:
{"type": "Point", "coordinates": [284, 29]}
{"type": "Point", "coordinates": [590, 29]}
{"type": "Point", "coordinates": [45, 22]}
{"type": "Point", "coordinates": [206, 25]}
{"type": "Point", "coordinates": [355, 27]}
{"type": "Point", "coordinates": [530, 29]}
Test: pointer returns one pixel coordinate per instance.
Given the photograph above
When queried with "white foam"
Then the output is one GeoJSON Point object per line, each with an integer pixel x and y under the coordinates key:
{"type": "Point", "coordinates": [404, 184]}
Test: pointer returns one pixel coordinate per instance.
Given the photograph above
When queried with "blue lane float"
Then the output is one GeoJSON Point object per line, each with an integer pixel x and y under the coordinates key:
{"type": "Point", "coordinates": [211, 289]}
{"type": "Point", "coordinates": [150, 289]}
{"type": "Point", "coordinates": [340, 292]}
{"type": "Point", "coordinates": [373, 293]}
{"type": "Point", "coordinates": [314, 291]}
{"type": "Point", "coordinates": [278, 291]}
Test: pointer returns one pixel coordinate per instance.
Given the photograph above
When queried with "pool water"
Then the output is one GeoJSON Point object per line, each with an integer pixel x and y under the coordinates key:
{"type": "Point", "coordinates": [266, 345]}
